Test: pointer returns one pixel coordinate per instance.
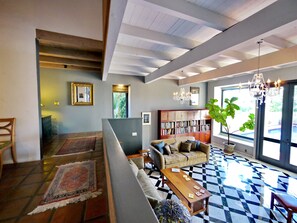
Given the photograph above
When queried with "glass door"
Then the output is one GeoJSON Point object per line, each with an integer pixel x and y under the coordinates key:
{"type": "Point", "coordinates": [293, 144]}
{"type": "Point", "coordinates": [278, 144]}
{"type": "Point", "coordinates": [273, 126]}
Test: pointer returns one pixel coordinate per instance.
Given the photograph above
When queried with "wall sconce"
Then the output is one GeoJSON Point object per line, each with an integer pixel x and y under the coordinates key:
{"type": "Point", "coordinates": [56, 103]}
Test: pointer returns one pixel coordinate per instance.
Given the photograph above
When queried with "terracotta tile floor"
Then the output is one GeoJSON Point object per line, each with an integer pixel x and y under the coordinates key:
{"type": "Point", "coordinates": [22, 186]}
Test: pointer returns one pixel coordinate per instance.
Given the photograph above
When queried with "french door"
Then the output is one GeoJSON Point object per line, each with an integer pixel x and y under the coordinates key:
{"type": "Point", "coordinates": [278, 129]}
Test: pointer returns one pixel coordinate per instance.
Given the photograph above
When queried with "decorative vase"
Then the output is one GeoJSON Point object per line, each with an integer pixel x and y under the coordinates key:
{"type": "Point", "coordinates": [229, 148]}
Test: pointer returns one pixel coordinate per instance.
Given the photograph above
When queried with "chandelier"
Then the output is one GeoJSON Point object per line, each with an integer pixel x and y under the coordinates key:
{"type": "Point", "coordinates": [181, 96]}
{"type": "Point", "coordinates": [258, 88]}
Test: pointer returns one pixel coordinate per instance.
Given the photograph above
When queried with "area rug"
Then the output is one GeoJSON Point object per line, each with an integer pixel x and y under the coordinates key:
{"type": "Point", "coordinates": [72, 183]}
{"type": "Point", "coordinates": [77, 145]}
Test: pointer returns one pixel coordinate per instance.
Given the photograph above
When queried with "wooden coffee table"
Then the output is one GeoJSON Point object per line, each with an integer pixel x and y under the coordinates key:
{"type": "Point", "coordinates": [182, 188]}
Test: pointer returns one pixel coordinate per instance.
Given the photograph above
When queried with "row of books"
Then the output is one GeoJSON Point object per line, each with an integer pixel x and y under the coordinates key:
{"type": "Point", "coordinates": [167, 125]}
{"type": "Point", "coordinates": [182, 130]}
{"type": "Point", "coordinates": [167, 132]}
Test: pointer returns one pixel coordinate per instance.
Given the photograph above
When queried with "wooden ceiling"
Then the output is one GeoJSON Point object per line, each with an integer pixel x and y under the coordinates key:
{"type": "Point", "coordinates": [61, 51]}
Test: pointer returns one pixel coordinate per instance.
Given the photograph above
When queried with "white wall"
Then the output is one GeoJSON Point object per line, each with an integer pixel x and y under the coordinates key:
{"type": "Point", "coordinates": [18, 72]}
{"type": "Point", "coordinates": [284, 74]}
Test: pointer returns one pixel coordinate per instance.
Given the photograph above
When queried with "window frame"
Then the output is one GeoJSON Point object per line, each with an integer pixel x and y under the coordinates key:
{"type": "Point", "coordinates": [224, 89]}
{"type": "Point", "coordinates": [121, 89]}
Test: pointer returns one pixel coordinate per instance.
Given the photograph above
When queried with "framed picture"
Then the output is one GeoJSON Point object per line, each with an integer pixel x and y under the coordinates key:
{"type": "Point", "coordinates": [146, 118]}
{"type": "Point", "coordinates": [81, 93]}
{"type": "Point", "coordinates": [194, 95]}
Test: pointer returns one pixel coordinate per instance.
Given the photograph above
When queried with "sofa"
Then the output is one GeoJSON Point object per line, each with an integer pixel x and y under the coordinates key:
{"type": "Point", "coordinates": [137, 165]}
{"type": "Point", "coordinates": [178, 152]}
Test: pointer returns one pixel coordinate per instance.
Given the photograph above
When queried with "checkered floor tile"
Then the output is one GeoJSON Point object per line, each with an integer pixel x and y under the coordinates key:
{"type": "Point", "coordinates": [240, 188]}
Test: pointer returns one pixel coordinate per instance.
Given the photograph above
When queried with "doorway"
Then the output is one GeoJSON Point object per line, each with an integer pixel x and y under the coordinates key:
{"type": "Point", "coordinates": [120, 101]}
{"type": "Point", "coordinates": [278, 144]}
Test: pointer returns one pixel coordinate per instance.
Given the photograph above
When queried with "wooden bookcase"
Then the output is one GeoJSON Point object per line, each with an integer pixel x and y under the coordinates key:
{"type": "Point", "coordinates": [175, 123]}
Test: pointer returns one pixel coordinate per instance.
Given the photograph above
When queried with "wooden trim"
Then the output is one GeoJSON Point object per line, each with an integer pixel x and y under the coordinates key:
{"type": "Point", "coordinates": [120, 88]}
{"type": "Point", "coordinates": [111, 207]}
{"type": "Point", "coordinates": [66, 61]}
{"type": "Point", "coordinates": [68, 67]}
{"type": "Point", "coordinates": [47, 38]}
{"type": "Point", "coordinates": [70, 53]}
{"type": "Point", "coordinates": [105, 12]}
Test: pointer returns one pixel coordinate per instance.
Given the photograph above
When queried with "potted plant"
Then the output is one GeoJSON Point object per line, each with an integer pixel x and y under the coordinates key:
{"type": "Point", "coordinates": [223, 115]}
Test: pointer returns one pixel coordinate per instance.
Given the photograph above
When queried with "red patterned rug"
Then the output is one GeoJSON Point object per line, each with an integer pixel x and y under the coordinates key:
{"type": "Point", "coordinates": [72, 183]}
{"type": "Point", "coordinates": [77, 145]}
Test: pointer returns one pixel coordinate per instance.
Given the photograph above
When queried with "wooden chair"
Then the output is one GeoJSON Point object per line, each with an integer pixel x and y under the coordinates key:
{"type": "Point", "coordinates": [7, 139]}
{"type": "Point", "coordinates": [288, 202]}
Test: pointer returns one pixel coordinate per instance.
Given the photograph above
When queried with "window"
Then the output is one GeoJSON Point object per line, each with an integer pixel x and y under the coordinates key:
{"type": "Point", "coordinates": [247, 105]}
{"type": "Point", "coordinates": [120, 101]}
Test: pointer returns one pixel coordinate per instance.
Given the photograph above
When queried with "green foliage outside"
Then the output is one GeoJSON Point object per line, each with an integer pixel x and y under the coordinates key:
{"type": "Point", "coordinates": [221, 114]}
{"type": "Point", "coordinates": [119, 105]}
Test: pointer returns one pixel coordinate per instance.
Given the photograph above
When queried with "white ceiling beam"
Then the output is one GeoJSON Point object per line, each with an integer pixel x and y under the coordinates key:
{"type": "Point", "coordinates": [158, 37]}
{"type": "Point", "coordinates": [132, 68]}
{"type": "Point", "coordinates": [281, 57]}
{"type": "Point", "coordinates": [236, 55]}
{"type": "Point", "coordinates": [276, 42]}
{"type": "Point", "coordinates": [209, 63]}
{"type": "Point", "coordinates": [135, 61]}
{"type": "Point", "coordinates": [190, 12]}
{"type": "Point", "coordinates": [191, 70]}
{"type": "Point", "coordinates": [263, 22]}
{"type": "Point", "coordinates": [123, 72]}
{"type": "Point", "coordinates": [116, 14]}
{"type": "Point", "coordinates": [144, 53]}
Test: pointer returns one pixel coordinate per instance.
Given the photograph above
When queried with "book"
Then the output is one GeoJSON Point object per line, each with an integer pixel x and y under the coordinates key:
{"type": "Point", "coordinates": [175, 170]}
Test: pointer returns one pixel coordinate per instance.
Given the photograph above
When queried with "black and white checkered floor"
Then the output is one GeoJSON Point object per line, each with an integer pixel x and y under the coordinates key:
{"type": "Point", "coordinates": [240, 188]}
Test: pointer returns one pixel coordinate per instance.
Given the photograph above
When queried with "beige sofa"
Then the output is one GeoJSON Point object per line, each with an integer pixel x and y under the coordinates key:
{"type": "Point", "coordinates": [179, 158]}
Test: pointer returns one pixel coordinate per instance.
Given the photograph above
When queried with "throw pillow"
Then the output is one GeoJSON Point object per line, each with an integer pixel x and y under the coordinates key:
{"type": "Point", "coordinates": [197, 145]}
{"type": "Point", "coordinates": [159, 146]}
{"type": "Point", "coordinates": [193, 144]}
{"type": "Point", "coordinates": [167, 150]}
{"type": "Point", "coordinates": [174, 148]}
{"type": "Point", "coordinates": [185, 147]}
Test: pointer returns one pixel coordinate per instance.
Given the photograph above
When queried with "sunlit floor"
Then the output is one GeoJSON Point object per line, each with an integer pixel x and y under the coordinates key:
{"type": "Point", "coordinates": [240, 188]}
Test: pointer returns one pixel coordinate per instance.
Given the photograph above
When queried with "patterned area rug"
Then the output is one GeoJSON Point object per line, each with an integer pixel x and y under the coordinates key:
{"type": "Point", "coordinates": [241, 188]}
{"type": "Point", "coordinates": [77, 145]}
{"type": "Point", "coordinates": [72, 183]}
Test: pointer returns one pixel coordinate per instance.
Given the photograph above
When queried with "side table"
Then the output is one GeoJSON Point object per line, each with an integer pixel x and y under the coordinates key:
{"type": "Point", "coordinates": [146, 156]}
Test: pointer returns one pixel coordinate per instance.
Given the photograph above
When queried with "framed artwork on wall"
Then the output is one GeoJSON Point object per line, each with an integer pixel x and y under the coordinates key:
{"type": "Point", "coordinates": [146, 118]}
{"type": "Point", "coordinates": [81, 93]}
{"type": "Point", "coordinates": [194, 95]}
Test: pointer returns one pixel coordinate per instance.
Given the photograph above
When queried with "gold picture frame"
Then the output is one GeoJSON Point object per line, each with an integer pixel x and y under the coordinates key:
{"type": "Point", "coordinates": [81, 93]}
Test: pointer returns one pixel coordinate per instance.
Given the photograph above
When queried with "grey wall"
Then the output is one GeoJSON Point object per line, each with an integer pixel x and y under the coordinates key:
{"type": "Point", "coordinates": [55, 85]}
{"type": "Point", "coordinates": [130, 143]}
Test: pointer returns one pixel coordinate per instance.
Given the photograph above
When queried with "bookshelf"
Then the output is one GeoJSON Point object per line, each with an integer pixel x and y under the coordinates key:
{"type": "Point", "coordinates": [175, 123]}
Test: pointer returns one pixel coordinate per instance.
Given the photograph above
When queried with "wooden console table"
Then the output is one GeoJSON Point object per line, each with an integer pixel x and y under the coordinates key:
{"type": "Point", "coordinates": [182, 188]}
{"type": "Point", "coordinates": [146, 155]}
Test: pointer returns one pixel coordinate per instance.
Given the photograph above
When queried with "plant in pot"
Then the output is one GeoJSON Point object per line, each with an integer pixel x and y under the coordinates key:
{"type": "Point", "coordinates": [225, 114]}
